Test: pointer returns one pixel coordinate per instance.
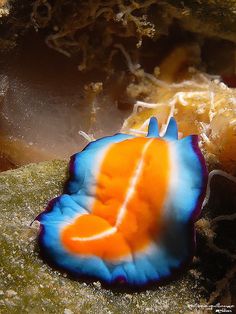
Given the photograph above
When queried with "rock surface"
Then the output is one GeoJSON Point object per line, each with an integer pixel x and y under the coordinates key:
{"type": "Point", "coordinates": [28, 285]}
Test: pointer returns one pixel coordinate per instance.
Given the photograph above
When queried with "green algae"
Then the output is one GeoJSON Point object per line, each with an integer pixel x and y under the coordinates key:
{"type": "Point", "coordinates": [28, 285]}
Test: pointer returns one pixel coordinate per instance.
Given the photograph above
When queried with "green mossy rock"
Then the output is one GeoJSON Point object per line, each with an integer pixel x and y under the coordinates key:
{"type": "Point", "coordinates": [28, 285]}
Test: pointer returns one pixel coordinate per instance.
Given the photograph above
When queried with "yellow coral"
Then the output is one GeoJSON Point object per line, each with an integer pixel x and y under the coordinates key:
{"type": "Point", "coordinates": [4, 8]}
{"type": "Point", "coordinates": [201, 104]}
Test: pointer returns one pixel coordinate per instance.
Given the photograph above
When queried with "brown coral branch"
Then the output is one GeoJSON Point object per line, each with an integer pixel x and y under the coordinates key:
{"type": "Point", "coordinates": [222, 218]}
{"type": "Point", "coordinates": [222, 285]}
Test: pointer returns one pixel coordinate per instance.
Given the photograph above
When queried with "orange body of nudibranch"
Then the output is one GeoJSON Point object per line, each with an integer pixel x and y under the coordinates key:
{"type": "Point", "coordinates": [130, 208]}
{"type": "Point", "coordinates": [126, 203]}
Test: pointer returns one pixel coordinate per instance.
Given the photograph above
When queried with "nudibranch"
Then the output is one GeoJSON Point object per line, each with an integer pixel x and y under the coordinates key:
{"type": "Point", "coordinates": [129, 208]}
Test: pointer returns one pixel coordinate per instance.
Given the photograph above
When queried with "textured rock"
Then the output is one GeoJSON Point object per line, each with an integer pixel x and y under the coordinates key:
{"type": "Point", "coordinates": [64, 21]}
{"type": "Point", "coordinates": [28, 285]}
{"type": "Point", "coordinates": [210, 18]}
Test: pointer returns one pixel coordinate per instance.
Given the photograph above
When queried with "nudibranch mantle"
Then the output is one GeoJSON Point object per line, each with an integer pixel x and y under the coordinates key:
{"type": "Point", "coordinates": [129, 209]}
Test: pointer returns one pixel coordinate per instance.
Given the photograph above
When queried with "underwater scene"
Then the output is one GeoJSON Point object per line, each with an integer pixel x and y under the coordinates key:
{"type": "Point", "coordinates": [117, 156]}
